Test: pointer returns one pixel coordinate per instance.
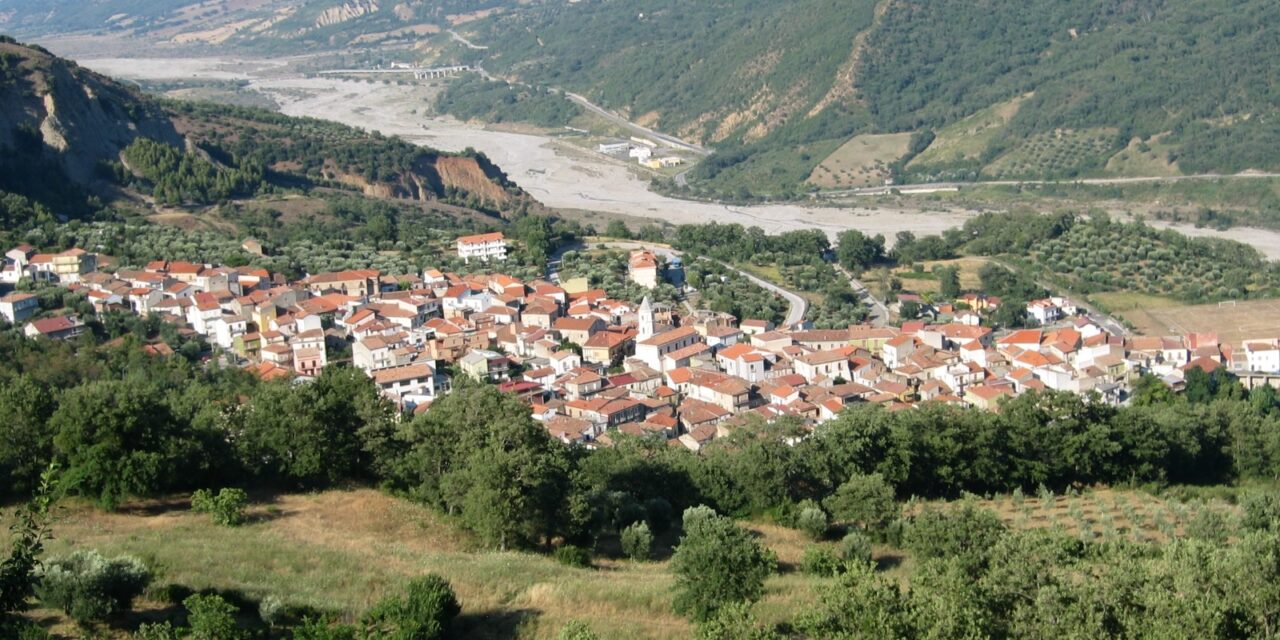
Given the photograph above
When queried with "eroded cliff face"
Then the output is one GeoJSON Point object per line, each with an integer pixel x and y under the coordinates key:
{"type": "Point", "coordinates": [346, 11]}
{"type": "Point", "coordinates": [432, 176]}
{"type": "Point", "coordinates": [79, 118]}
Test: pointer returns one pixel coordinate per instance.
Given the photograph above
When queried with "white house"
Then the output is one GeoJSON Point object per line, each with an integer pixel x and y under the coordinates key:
{"type": "Point", "coordinates": [652, 350]}
{"type": "Point", "coordinates": [17, 307]}
{"type": "Point", "coordinates": [1263, 356]}
{"type": "Point", "coordinates": [414, 383]}
{"type": "Point", "coordinates": [484, 246]}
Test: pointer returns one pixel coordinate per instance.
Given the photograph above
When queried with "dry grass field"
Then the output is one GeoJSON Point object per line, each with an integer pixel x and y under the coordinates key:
{"type": "Point", "coordinates": [969, 280]}
{"type": "Point", "coordinates": [861, 162]}
{"type": "Point", "coordinates": [1233, 322]}
{"type": "Point", "coordinates": [342, 551]}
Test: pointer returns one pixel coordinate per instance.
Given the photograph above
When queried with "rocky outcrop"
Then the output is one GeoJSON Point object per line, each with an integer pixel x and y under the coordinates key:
{"type": "Point", "coordinates": [346, 11]}
{"type": "Point", "coordinates": [80, 117]}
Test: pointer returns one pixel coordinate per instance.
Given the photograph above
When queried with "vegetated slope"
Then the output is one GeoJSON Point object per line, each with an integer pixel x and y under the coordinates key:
{"type": "Point", "coordinates": [770, 85]}
{"type": "Point", "coordinates": [70, 138]}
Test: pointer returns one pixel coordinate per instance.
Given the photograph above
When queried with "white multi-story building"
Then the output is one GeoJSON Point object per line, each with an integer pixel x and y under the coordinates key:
{"type": "Point", "coordinates": [484, 246]}
{"type": "Point", "coordinates": [1262, 356]}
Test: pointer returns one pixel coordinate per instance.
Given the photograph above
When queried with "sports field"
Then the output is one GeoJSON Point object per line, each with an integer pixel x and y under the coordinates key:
{"type": "Point", "coordinates": [1234, 322]}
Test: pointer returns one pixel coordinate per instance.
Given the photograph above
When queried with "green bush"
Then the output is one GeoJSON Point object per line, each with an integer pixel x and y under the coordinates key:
{"type": "Point", "coordinates": [423, 613]}
{"type": "Point", "coordinates": [1261, 511]}
{"type": "Point", "coordinates": [227, 507]}
{"type": "Point", "coordinates": [855, 547]}
{"type": "Point", "coordinates": [820, 561]}
{"type": "Point", "coordinates": [156, 631]}
{"type": "Point", "coordinates": [572, 556]}
{"type": "Point", "coordinates": [577, 630]}
{"type": "Point", "coordinates": [637, 541]}
{"type": "Point", "coordinates": [211, 617]}
{"type": "Point", "coordinates": [89, 587]}
{"type": "Point", "coordinates": [812, 520]}
{"type": "Point", "coordinates": [965, 534]}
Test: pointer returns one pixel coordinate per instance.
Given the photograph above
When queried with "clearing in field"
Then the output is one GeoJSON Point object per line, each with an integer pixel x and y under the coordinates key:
{"type": "Point", "coordinates": [966, 139]}
{"type": "Point", "coordinates": [1150, 158]}
{"type": "Point", "coordinates": [1233, 322]}
{"type": "Point", "coordinates": [969, 280]}
{"type": "Point", "coordinates": [863, 161]}
{"type": "Point", "coordinates": [342, 551]}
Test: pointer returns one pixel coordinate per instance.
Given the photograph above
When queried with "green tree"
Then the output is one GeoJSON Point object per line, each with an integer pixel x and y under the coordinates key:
{"type": "Point", "coordinates": [717, 563]}
{"type": "Point", "coordinates": [864, 500]}
{"type": "Point", "coordinates": [637, 541]}
{"type": "Point", "coordinates": [425, 612]}
{"type": "Point", "coordinates": [227, 507]}
{"type": "Point", "coordinates": [856, 251]}
{"type": "Point", "coordinates": [949, 282]}
{"type": "Point", "coordinates": [119, 439]}
{"type": "Point", "coordinates": [29, 531]}
{"type": "Point", "coordinates": [479, 454]}
{"type": "Point", "coordinates": [26, 442]}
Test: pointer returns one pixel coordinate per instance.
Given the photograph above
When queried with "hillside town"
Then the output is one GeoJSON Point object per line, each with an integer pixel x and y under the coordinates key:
{"type": "Point", "coordinates": [592, 367]}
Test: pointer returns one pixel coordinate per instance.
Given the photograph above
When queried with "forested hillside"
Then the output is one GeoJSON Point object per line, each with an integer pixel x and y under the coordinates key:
{"type": "Point", "coordinates": [74, 143]}
{"type": "Point", "coordinates": [775, 87]}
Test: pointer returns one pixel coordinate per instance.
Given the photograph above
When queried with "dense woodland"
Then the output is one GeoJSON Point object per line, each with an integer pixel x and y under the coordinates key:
{"type": "Point", "coordinates": [472, 97]}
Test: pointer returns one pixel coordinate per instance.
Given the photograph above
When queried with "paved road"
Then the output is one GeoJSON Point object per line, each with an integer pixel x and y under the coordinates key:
{"type": "Point", "coordinates": [465, 42]}
{"type": "Point", "coordinates": [942, 186]}
{"type": "Point", "coordinates": [879, 315]}
{"type": "Point", "coordinates": [798, 306]}
{"type": "Point", "coordinates": [621, 121]}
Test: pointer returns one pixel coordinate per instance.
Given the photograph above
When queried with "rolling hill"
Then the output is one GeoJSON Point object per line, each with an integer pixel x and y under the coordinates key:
{"type": "Point", "coordinates": [73, 141]}
{"type": "Point", "coordinates": [988, 89]}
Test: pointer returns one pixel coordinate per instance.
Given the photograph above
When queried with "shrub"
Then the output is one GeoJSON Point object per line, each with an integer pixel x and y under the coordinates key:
{"type": "Point", "coordinates": [156, 631]}
{"type": "Point", "coordinates": [577, 630]}
{"type": "Point", "coordinates": [227, 507]}
{"type": "Point", "coordinates": [820, 561]}
{"type": "Point", "coordinates": [812, 520]}
{"type": "Point", "coordinates": [1261, 511]}
{"type": "Point", "coordinates": [89, 587]}
{"type": "Point", "coordinates": [637, 541]}
{"type": "Point", "coordinates": [321, 629]}
{"type": "Point", "coordinates": [694, 515]}
{"type": "Point", "coordinates": [855, 547]}
{"type": "Point", "coordinates": [272, 611]}
{"type": "Point", "coordinates": [211, 617]}
{"type": "Point", "coordinates": [966, 534]}
{"type": "Point", "coordinates": [572, 556]}
{"type": "Point", "coordinates": [423, 613]}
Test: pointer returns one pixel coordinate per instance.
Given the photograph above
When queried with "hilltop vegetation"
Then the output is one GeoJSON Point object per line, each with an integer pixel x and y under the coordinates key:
{"type": "Point", "coordinates": [775, 87]}
{"type": "Point", "coordinates": [77, 145]}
